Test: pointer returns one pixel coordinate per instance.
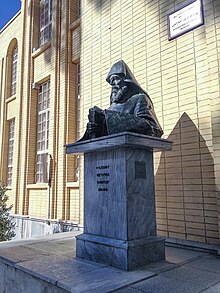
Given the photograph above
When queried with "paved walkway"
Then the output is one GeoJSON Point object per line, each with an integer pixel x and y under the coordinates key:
{"type": "Point", "coordinates": [48, 265]}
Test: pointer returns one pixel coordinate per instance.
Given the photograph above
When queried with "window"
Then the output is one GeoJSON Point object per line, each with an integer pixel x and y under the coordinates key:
{"type": "Point", "coordinates": [43, 133]}
{"type": "Point", "coordinates": [45, 21]}
{"type": "Point", "coordinates": [14, 71]}
{"type": "Point", "coordinates": [10, 151]}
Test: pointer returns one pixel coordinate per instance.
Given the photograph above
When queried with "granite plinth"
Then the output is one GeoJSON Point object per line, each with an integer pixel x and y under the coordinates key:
{"type": "Point", "coordinates": [119, 200]}
{"type": "Point", "coordinates": [125, 255]}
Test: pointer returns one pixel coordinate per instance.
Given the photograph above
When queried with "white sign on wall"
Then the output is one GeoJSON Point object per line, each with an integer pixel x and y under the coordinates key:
{"type": "Point", "coordinates": [185, 19]}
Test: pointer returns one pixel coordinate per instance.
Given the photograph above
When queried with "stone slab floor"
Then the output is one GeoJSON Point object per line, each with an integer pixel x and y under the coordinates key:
{"type": "Point", "coordinates": [48, 265]}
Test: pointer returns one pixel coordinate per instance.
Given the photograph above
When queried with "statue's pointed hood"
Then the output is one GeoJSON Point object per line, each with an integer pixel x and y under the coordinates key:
{"type": "Point", "coordinates": [122, 69]}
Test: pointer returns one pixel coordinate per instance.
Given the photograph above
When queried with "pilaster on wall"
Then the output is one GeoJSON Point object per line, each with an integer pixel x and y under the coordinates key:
{"type": "Point", "coordinates": [54, 103]}
{"type": "Point", "coordinates": [62, 105]}
{"type": "Point", "coordinates": [213, 53]}
{"type": "Point", "coordinates": [62, 111]}
{"type": "Point", "coordinates": [24, 110]}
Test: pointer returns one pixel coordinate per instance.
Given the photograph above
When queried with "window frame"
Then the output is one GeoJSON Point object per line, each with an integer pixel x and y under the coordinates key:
{"type": "Point", "coordinates": [14, 70]}
{"type": "Point", "coordinates": [45, 21]}
{"type": "Point", "coordinates": [11, 134]}
{"type": "Point", "coordinates": [43, 124]}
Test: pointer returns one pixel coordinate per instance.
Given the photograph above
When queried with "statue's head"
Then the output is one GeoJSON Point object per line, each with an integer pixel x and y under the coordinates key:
{"type": "Point", "coordinates": [122, 80]}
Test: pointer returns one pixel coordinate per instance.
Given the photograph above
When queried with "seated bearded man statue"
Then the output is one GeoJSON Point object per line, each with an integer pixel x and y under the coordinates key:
{"type": "Point", "coordinates": [131, 108]}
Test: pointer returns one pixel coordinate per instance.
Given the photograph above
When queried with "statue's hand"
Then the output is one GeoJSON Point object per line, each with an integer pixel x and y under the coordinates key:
{"type": "Point", "coordinates": [97, 109]}
{"type": "Point", "coordinates": [92, 129]}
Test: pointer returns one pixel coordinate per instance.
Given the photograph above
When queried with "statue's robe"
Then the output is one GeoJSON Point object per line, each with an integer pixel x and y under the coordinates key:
{"type": "Point", "coordinates": [134, 115]}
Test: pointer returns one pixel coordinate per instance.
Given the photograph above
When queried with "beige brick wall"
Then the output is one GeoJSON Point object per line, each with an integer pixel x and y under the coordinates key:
{"type": "Point", "coordinates": [181, 77]}
{"type": "Point", "coordinates": [38, 203]}
{"type": "Point", "coordinates": [213, 33]}
{"type": "Point", "coordinates": [74, 204]}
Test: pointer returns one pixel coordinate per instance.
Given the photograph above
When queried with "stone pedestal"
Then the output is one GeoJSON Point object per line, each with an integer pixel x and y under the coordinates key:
{"type": "Point", "coordinates": [119, 200]}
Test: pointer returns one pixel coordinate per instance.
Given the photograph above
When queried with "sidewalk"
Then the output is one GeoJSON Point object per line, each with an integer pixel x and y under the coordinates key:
{"type": "Point", "coordinates": [48, 265]}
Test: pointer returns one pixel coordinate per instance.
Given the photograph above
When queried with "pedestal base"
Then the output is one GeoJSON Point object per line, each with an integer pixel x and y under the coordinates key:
{"type": "Point", "coordinates": [122, 254]}
{"type": "Point", "coordinates": [119, 200]}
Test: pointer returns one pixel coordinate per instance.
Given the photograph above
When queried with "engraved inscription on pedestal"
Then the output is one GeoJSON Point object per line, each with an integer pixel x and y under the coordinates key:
{"type": "Point", "coordinates": [105, 194]}
{"type": "Point", "coordinates": [102, 177]}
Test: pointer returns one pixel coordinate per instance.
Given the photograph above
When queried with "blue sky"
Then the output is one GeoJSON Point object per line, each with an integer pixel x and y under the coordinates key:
{"type": "Point", "coordinates": [8, 9]}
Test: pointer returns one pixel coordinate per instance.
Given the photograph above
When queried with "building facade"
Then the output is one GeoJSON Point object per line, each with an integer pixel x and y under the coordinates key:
{"type": "Point", "coordinates": [56, 55]}
{"type": "Point", "coordinates": [39, 100]}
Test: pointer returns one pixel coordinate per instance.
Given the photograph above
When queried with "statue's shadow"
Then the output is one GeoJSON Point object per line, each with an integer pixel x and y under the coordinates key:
{"type": "Point", "coordinates": [186, 198]}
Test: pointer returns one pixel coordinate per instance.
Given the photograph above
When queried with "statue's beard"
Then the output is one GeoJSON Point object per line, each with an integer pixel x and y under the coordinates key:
{"type": "Point", "coordinates": [117, 94]}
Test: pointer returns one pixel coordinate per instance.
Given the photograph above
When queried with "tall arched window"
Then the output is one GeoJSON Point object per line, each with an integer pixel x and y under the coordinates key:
{"type": "Point", "coordinates": [10, 151]}
{"type": "Point", "coordinates": [14, 70]}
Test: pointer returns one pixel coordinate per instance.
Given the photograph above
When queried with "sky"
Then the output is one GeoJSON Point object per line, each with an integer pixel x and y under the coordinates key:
{"type": "Point", "coordinates": [8, 9]}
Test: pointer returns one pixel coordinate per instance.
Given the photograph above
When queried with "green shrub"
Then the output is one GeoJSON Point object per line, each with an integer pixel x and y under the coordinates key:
{"type": "Point", "coordinates": [6, 220]}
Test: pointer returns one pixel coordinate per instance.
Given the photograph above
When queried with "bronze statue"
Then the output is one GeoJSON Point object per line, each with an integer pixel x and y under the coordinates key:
{"type": "Point", "coordinates": [131, 108]}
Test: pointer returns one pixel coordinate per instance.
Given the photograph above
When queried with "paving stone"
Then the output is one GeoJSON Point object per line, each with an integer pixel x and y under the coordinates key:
{"type": "Point", "coordinates": [128, 290]}
{"type": "Point", "coordinates": [190, 275]}
{"type": "Point", "coordinates": [20, 254]}
{"type": "Point", "coordinates": [213, 289]}
{"type": "Point", "coordinates": [103, 280]}
{"type": "Point", "coordinates": [97, 264]}
{"type": "Point", "coordinates": [178, 255]}
{"type": "Point", "coordinates": [53, 248]}
{"type": "Point", "coordinates": [54, 268]}
{"type": "Point", "coordinates": [44, 238]}
{"type": "Point", "coordinates": [158, 267]}
{"type": "Point", "coordinates": [67, 242]}
{"type": "Point", "coordinates": [182, 279]}
{"type": "Point", "coordinates": [160, 284]}
{"type": "Point", "coordinates": [210, 263]}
